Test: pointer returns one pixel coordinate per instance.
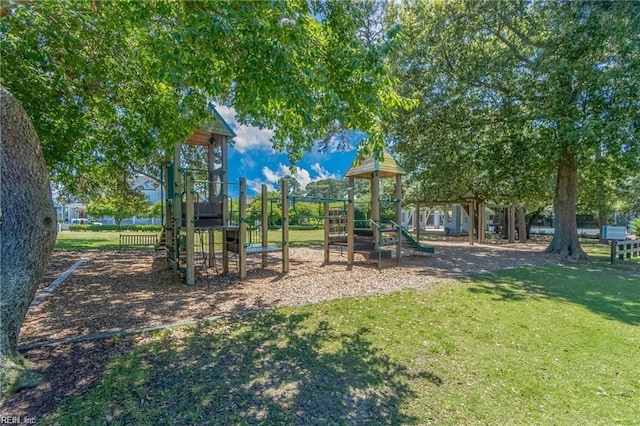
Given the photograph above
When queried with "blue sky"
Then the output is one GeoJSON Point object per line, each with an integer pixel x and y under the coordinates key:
{"type": "Point", "coordinates": [253, 157]}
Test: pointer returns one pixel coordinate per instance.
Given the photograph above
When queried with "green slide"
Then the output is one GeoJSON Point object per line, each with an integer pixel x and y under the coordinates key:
{"type": "Point", "coordinates": [416, 245]}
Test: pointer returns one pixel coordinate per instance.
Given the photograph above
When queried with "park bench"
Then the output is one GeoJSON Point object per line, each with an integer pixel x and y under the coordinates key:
{"type": "Point", "coordinates": [137, 240]}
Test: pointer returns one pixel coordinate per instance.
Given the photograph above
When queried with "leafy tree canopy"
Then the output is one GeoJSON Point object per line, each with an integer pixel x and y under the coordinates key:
{"type": "Point", "coordinates": [119, 204]}
{"type": "Point", "coordinates": [327, 188]}
{"type": "Point", "coordinates": [513, 93]}
{"type": "Point", "coordinates": [109, 84]}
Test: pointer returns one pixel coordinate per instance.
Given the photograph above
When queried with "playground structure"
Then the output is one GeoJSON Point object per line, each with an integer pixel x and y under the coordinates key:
{"type": "Point", "coordinates": [198, 207]}
{"type": "Point", "coordinates": [469, 216]}
{"type": "Point", "coordinates": [372, 239]}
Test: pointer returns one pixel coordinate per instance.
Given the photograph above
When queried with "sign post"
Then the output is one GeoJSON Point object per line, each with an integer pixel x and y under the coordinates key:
{"type": "Point", "coordinates": [613, 234]}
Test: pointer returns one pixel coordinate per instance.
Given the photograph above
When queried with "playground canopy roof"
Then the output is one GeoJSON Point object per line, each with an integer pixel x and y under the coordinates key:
{"type": "Point", "coordinates": [215, 127]}
{"type": "Point", "coordinates": [386, 167]}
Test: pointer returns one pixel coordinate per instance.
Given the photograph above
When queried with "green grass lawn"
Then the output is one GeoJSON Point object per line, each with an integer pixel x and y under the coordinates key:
{"type": "Point", "coordinates": [87, 240]}
{"type": "Point", "coordinates": [603, 252]}
{"type": "Point", "coordinates": [107, 240]}
{"type": "Point", "coordinates": [556, 345]}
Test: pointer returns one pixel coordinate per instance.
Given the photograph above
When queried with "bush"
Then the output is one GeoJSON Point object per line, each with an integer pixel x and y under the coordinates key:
{"type": "Point", "coordinates": [635, 227]}
{"type": "Point", "coordinates": [134, 228]}
{"type": "Point", "coordinates": [303, 227]}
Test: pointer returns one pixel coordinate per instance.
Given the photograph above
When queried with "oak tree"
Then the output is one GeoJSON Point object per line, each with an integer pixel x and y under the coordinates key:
{"type": "Point", "coordinates": [110, 84]}
{"type": "Point", "coordinates": [510, 93]}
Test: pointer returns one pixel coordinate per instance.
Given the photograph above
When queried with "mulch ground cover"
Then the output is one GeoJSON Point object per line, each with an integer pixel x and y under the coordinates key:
{"type": "Point", "coordinates": [113, 291]}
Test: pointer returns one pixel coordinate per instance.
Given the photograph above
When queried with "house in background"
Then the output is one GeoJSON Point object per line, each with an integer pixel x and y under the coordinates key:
{"type": "Point", "coordinates": [70, 211]}
{"type": "Point", "coordinates": [149, 186]}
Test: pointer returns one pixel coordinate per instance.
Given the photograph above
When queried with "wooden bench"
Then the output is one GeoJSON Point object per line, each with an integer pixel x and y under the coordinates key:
{"type": "Point", "coordinates": [137, 240]}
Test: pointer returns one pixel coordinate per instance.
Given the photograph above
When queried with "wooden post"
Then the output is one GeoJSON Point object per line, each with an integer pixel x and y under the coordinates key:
{"type": "Point", "coordinates": [327, 231]}
{"type": "Point", "coordinates": [212, 189]}
{"type": "Point", "coordinates": [614, 245]}
{"type": "Point", "coordinates": [375, 207]}
{"type": "Point", "coordinates": [177, 204]}
{"type": "Point", "coordinates": [224, 194]}
{"type": "Point", "coordinates": [418, 221]}
{"type": "Point", "coordinates": [242, 229]}
{"type": "Point", "coordinates": [169, 231]}
{"type": "Point", "coordinates": [375, 197]}
{"type": "Point", "coordinates": [472, 209]}
{"type": "Point", "coordinates": [264, 223]}
{"type": "Point", "coordinates": [212, 247]}
{"type": "Point", "coordinates": [482, 223]}
{"type": "Point", "coordinates": [190, 242]}
{"type": "Point", "coordinates": [512, 224]}
{"type": "Point", "coordinates": [211, 159]}
{"type": "Point", "coordinates": [285, 225]}
{"type": "Point", "coordinates": [168, 207]}
{"type": "Point", "coordinates": [210, 165]}
{"type": "Point", "coordinates": [399, 217]}
{"type": "Point", "coordinates": [350, 221]}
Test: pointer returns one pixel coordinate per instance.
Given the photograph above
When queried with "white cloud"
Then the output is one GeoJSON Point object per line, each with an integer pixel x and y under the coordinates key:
{"type": "Point", "coordinates": [255, 185]}
{"type": "Point", "coordinates": [247, 137]}
{"type": "Point", "coordinates": [303, 176]}
{"type": "Point", "coordinates": [322, 172]}
{"type": "Point", "coordinates": [228, 114]}
{"type": "Point", "coordinates": [247, 162]}
{"type": "Point", "coordinates": [271, 175]}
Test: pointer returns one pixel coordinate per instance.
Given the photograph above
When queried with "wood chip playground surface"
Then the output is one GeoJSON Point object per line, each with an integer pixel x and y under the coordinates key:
{"type": "Point", "coordinates": [111, 292]}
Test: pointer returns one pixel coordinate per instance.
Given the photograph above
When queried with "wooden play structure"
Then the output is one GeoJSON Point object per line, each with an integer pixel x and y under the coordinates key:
{"type": "Point", "coordinates": [469, 216]}
{"type": "Point", "coordinates": [198, 207]}
{"type": "Point", "coordinates": [371, 239]}
{"type": "Point", "coordinates": [199, 215]}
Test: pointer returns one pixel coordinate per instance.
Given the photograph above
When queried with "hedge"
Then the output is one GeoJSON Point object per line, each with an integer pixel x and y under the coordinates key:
{"type": "Point", "coordinates": [303, 227]}
{"type": "Point", "coordinates": [136, 228]}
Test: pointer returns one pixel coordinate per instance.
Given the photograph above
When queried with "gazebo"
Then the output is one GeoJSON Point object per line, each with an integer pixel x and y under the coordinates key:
{"type": "Point", "coordinates": [374, 170]}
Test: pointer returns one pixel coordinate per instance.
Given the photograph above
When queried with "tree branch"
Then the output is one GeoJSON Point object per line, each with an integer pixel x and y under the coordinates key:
{"type": "Point", "coordinates": [7, 10]}
{"type": "Point", "coordinates": [522, 36]}
{"type": "Point", "coordinates": [511, 46]}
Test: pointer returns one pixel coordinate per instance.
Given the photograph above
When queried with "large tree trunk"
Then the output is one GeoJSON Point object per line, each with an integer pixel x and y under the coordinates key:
{"type": "Point", "coordinates": [565, 238]}
{"type": "Point", "coordinates": [602, 221]}
{"type": "Point", "coordinates": [27, 232]}
{"type": "Point", "coordinates": [531, 218]}
{"type": "Point", "coordinates": [522, 225]}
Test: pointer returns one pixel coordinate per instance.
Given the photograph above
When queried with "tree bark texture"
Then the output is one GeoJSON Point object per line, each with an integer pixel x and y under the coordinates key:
{"type": "Point", "coordinates": [565, 238]}
{"type": "Point", "coordinates": [522, 226]}
{"type": "Point", "coordinates": [28, 229]}
{"type": "Point", "coordinates": [531, 218]}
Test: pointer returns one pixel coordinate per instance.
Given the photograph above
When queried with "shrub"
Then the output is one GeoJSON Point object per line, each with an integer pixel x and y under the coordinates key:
{"type": "Point", "coordinates": [134, 228]}
{"type": "Point", "coordinates": [635, 227]}
{"type": "Point", "coordinates": [302, 227]}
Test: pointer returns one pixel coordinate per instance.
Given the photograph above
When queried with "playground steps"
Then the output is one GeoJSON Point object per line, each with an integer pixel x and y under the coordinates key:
{"type": "Point", "coordinates": [162, 242]}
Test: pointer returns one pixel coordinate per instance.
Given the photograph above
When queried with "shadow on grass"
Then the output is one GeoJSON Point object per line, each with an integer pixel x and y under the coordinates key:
{"type": "Point", "coordinates": [272, 369]}
{"type": "Point", "coordinates": [612, 293]}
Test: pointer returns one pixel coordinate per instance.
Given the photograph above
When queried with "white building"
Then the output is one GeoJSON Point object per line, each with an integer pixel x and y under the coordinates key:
{"type": "Point", "coordinates": [69, 212]}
